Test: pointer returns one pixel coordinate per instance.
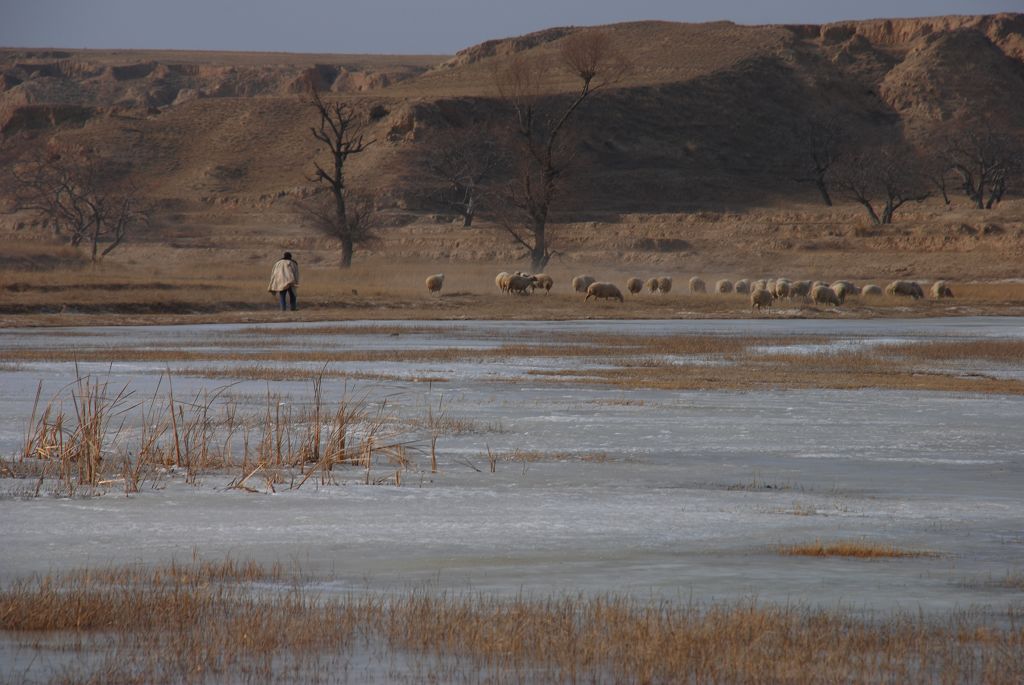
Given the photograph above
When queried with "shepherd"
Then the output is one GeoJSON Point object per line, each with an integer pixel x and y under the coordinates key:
{"type": "Point", "coordinates": [284, 278]}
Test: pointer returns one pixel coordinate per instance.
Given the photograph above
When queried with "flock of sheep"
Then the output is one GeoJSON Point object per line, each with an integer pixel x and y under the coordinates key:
{"type": "Point", "coordinates": [763, 293]}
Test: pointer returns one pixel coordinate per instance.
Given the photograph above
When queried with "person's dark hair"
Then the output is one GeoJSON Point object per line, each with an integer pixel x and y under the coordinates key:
{"type": "Point", "coordinates": [287, 255]}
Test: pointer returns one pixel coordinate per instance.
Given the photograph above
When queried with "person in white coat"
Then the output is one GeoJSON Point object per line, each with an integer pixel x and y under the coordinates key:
{"type": "Point", "coordinates": [284, 278]}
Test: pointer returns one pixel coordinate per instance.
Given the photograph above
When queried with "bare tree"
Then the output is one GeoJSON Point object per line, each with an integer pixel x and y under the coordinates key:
{"type": "Point", "coordinates": [319, 212]}
{"type": "Point", "coordinates": [342, 132]}
{"type": "Point", "coordinates": [82, 201]}
{"type": "Point", "coordinates": [464, 164]}
{"type": "Point", "coordinates": [820, 140]}
{"type": "Point", "coordinates": [937, 172]}
{"type": "Point", "coordinates": [887, 174]}
{"type": "Point", "coordinates": [984, 160]}
{"type": "Point", "coordinates": [544, 153]}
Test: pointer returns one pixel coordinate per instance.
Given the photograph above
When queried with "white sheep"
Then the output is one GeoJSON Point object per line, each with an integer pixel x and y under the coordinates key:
{"type": "Point", "coordinates": [905, 288]}
{"type": "Point", "coordinates": [604, 291]}
{"type": "Point", "coordinates": [697, 285]}
{"type": "Point", "coordinates": [581, 283]}
{"type": "Point", "coordinates": [501, 280]}
{"type": "Point", "coordinates": [651, 285]}
{"type": "Point", "coordinates": [723, 286]}
{"type": "Point", "coordinates": [871, 290]}
{"type": "Point", "coordinates": [800, 289]}
{"type": "Point", "coordinates": [841, 289]}
{"type": "Point", "coordinates": [761, 298]}
{"type": "Point", "coordinates": [742, 286]}
{"type": "Point", "coordinates": [544, 282]}
{"type": "Point", "coordinates": [664, 284]}
{"type": "Point", "coordinates": [434, 283]}
{"type": "Point", "coordinates": [850, 288]}
{"type": "Point", "coordinates": [517, 284]}
{"type": "Point", "coordinates": [782, 288]}
{"type": "Point", "coordinates": [941, 289]}
{"type": "Point", "coordinates": [824, 295]}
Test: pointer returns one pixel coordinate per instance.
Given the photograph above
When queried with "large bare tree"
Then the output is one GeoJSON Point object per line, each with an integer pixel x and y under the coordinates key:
{"type": "Point", "coordinates": [881, 178]}
{"type": "Point", "coordinates": [319, 212]}
{"type": "Point", "coordinates": [463, 163]}
{"type": "Point", "coordinates": [820, 140]}
{"type": "Point", "coordinates": [87, 202]}
{"type": "Point", "coordinates": [341, 131]}
{"type": "Point", "coordinates": [984, 160]}
{"type": "Point", "coordinates": [543, 150]}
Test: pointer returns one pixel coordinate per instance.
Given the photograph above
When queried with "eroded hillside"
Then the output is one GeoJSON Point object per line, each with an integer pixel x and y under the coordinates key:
{"type": "Point", "coordinates": [706, 118]}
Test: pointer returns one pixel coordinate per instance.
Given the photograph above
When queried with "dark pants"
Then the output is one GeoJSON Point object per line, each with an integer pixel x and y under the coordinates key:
{"type": "Point", "coordinates": [290, 293]}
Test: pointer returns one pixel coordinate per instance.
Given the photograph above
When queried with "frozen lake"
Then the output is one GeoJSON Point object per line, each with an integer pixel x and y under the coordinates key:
{"type": "Point", "coordinates": [675, 494]}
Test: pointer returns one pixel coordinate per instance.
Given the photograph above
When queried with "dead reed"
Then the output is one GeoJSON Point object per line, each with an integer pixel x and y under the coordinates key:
{"type": "Point", "coordinates": [210, 622]}
{"type": "Point", "coordinates": [93, 448]}
{"type": "Point", "coordinates": [857, 549]}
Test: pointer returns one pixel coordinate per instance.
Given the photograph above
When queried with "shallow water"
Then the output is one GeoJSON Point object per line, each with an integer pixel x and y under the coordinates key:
{"type": "Point", "coordinates": [684, 494]}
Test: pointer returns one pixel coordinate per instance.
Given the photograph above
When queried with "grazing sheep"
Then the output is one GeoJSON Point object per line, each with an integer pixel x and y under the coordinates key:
{"type": "Point", "coordinates": [760, 284]}
{"type": "Point", "coordinates": [664, 284]}
{"type": "Point", "coordinates": [905, 288]}
{"type": "Point", "coordinates": [851, 289]}
{"type": "Point", "coordinates": [652, 285]}
{"type": "Point", "coordinates": [800, 289]}
{"type": "Point", "coordinates": [518, 284]}
{"type": "Point", "coordinates": [544, 282]}
{"type": "Point", "coordinates": [941, 289]}
{"type": "Point", "coordinates": [634, 285]}
{"type": "Point", "coordinates": [742, 286]}
{"type": "Point", "coordinates": [723, 286]}
{"type": "Point", "coordinates": [871, 290]}
{"type": "Point", "coordinates": [581, 283]}
{"type": "Point", "coordinates": [782, 288]}
{"type": "Point", "coordinates": [697, 285]}
{"type": "Point", "coordinates": [841, 290]}
{"type": "Point", "coordinates": [824, 295]}
{"type": "Point", "coordinates": [501, 280]}
{"type": "Point", "coordinates": [603, 291]}
{"type": "Point", "coordinates": [434, 283]}
{"type": "Point", "coordinates": [761, 298]}
{"type": "Point", "coordinates": [815, 284]}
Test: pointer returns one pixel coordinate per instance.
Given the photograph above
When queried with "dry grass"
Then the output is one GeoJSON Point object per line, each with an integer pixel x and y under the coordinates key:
{"type": "Point", "coordinates": [224, 286]}
{"type": "Point", "coordinates": [670, 362]}
{"type": "Point", "coordinates": [1012, 580]}
{"type": "Point", "coordinates": [261, 372]}
{"type": "Point", "coordinates": [857, 549]}
{"type": "Point", "coordinates": [1009, 351]}
{"type": "Point", "coordinates": [204, 623]}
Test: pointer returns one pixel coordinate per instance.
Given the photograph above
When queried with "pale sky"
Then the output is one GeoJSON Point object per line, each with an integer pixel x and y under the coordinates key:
{"type": "Point", "coordinates": [397, 26]}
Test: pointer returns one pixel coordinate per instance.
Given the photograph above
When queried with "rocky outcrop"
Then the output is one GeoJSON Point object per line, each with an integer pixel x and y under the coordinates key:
{"type": "Point", "coordinates": [505, 46]}
{"type": "Point", "coordinates": [946, 75]}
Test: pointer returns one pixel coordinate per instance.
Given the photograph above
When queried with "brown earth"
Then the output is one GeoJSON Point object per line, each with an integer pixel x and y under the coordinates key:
{"type": "Point", "coordinates": [685, 167]}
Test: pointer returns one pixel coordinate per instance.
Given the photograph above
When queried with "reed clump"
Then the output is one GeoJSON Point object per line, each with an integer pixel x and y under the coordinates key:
{"type": "Point", "coordinates": [95, 446]}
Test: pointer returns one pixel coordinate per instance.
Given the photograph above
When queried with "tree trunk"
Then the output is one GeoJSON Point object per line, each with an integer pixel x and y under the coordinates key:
{"type": "Point", "coordinates": [346, 252]}
{"type": "Point", "coordinates": [539, 254]}
{"type": "Point", "coordinates": [538, 261]}
{"type": "Point", "coordinates": [871, 212]}
{"type": "Point", "coordinates": [468, 208]}
{"type": "Point", "coordinates": [823, 189]}
{"type": "Point", "coordinates": [887, 213]}
{"type": "Point", "coordinates": [996, 194]}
